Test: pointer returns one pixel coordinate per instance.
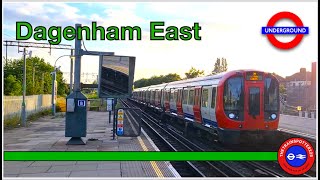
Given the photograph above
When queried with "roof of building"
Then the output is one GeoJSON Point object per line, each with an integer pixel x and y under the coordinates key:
{"type": "Point", "coordinates": [299, 76]}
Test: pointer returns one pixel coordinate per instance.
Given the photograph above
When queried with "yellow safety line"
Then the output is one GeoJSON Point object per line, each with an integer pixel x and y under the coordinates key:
{"type": "Point", "coordinates": [153, 163]}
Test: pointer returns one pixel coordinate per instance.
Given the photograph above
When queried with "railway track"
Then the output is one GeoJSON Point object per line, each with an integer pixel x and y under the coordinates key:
{"type": "Point", "coordinates": [229, 169]}
{"type": "Point", "coordinates": [167, 141]}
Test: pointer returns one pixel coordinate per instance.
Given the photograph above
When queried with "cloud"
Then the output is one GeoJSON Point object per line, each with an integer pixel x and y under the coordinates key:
{"type": "Point", "coordinates": [229, 29]}
{"type": "Point", "coordinates": [46, 14]}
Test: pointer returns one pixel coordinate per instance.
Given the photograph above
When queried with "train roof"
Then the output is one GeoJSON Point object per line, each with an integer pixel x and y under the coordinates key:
{"type": "Point", "coordinates": [142, 88]}
{"type": "Point", "coordinates": [199, 81]}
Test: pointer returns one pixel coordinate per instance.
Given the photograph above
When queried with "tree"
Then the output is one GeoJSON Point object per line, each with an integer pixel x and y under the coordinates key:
{"type": "Point", "coordinates": [157, 80]}
{"type": "Point", "coordinates": [224, 65]}
{"type": "Point", "coordinates": [38, 78]}
{"type": "Point", "coordinates": [220, 66]}
{"type": "Point", "coordinates": [12, 87]}
{"type": "Point", "coordinates": [282, 89]}
{"type": "Point", "coordinates": [193, 73]}
{"type": "Point", "coordinates": [62, 86]}
{"type": "Point", "coordinates": [141, 83]}
{"type": "Point", "coordinates": [171, 77]}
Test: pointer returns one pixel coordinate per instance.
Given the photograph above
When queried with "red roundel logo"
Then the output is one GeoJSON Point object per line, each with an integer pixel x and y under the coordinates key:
{"type": "Point", "coordinates": [296, 156]}
{"type": "Point", "coordinates": [299, 30]}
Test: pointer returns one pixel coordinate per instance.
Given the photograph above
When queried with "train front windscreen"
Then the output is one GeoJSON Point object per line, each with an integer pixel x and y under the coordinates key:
{"type": "Point", "coordinates": [251, 96]}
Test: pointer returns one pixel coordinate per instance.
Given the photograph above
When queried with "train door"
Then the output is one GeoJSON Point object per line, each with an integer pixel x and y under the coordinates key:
{"type": "Point", "coordinates": [253, 103]}
{"type": "Point", "coordinates": [208, 105]}
{"type": "Point", "coordinates": [196, 107]}
{"type": "Point", "coordinates": [155, 93]}
{"type": "Point", "coordinates": [162, 98]}
{"type": "Point", "coordinates": [179, 102]}
{"type": "Point", "coordinates": [144, 96]}
{"type": "Point", "coordinates": [185, 96]}
{"type": "Point", "coordinates": [212, 110]}
{"type": "Point", "coordinates": [167, 100]}
{"type": "Point", "coordinates": [152, 97]}
{"type": "Point", "coordinates": [188, 106]}
{"type": "Point", "coordinates": [157, 98]}
{"type": "Point", "coordinates": [173, 107]}
{"type": "Point", "coordinates": [147, 96]}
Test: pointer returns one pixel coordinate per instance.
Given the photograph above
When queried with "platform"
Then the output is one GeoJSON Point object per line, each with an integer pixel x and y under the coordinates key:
{"type": "Point", "coordinates": [47, 134]}
{"type": "Point", "coordinates": [301, 126]}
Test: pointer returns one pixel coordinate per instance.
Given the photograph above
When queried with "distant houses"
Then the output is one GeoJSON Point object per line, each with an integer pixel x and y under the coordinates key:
{"type": "Point", "coordinates": [300, 88]}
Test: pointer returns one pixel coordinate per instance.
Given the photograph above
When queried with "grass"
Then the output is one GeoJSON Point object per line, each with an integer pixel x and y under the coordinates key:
{"type": "Point", "coordinates": [96, 105]}
{"type": "Point", "coordinates": [36, 116]}
{"type": "Point", "coordinates": [93, 95]}
{"type": "Point", "coordinates": [12, 122]}
{"type": "Point", "coordinates": [15, 122]}
{"type": "Point", "coordinates": [118, 105]}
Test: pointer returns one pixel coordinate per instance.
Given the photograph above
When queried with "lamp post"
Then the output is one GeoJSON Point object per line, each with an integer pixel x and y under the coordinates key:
{"type": "Point", "coordinates": [54, 85]}
{"type": "Point", "coordinates": [23, 110]}
{"type": "Point", "coordinates": [33, 74]}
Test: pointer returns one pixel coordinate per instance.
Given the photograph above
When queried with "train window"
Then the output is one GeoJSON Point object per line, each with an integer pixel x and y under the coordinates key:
{"type": "Point", "coordinates": [158, 95]}
{"type": "Point", "coordinates": [153, 96]}
{"type": "Point", "coordinates": [233, 96]}
{"type": "Point", "coordinates": [161, 95]}
{"type": "Point", "coordinates": [195, 97]}
{"type": "Point", "coordinates": [156, 98]}
{"type": "Point", "coordinates": [213, 101]}
{"type": "Point", "coordinates": [185, 96]}
{"type": "Point", "coordinates": [195, 94]}
{"type": "Point", "coordinates": [205, 97]}
{"type": "Point", "coordinates": [176, 95]}
{"type": "Point", "coordinates": [191, 97]}
{"type": "Point", "coordinates": [179, 95]}
{"type": "Point", "coordinates": [171, 95]}
{"type": "Point", "coordinates": [254, 101]}
{"type": "Point", "coordinates": [271, 94]}
{"type": "Point", "coordinates": [166, 95]}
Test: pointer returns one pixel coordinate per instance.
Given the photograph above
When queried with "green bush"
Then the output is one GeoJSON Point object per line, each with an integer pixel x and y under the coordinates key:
{"type": "Point", "coordinates": [12, 122]}
{"type": "Point", "coordinates": [36, 116]}
{"type": "Point", "coordinates": [92, 96]}
{"type": "Point", "coordinates": [15, 121]}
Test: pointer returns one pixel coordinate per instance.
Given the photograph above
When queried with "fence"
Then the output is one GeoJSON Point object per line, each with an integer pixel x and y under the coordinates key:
{"type": "Point", "coordinates": [34, 104]}
{"type": "Point", "coordinates": [97, 105]}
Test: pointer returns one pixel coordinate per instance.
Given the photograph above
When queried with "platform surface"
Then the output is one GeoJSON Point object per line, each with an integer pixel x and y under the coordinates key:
{"type": "Point", "coordinates": [301, 126]}
{"type": "Point", "coordinates": [47, 134]}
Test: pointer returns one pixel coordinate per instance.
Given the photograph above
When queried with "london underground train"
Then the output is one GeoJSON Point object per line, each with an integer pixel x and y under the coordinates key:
{"type": "Point", "coordinates": [233, 104]}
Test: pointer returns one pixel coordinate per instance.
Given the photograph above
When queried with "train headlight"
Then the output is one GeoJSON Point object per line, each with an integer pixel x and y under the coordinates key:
{"type": "Point", "coordinates": [273, 116]}
{"type": "Point", "coordinates": [231, 115]}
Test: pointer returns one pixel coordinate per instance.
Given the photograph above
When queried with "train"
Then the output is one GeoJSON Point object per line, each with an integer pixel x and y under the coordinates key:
{"type": "Point", "coordinates": [233, 105]}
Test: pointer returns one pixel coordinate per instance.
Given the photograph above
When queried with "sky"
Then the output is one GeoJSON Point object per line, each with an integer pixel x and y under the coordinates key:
{"type": "Point", "coordinates": [228, 29]}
